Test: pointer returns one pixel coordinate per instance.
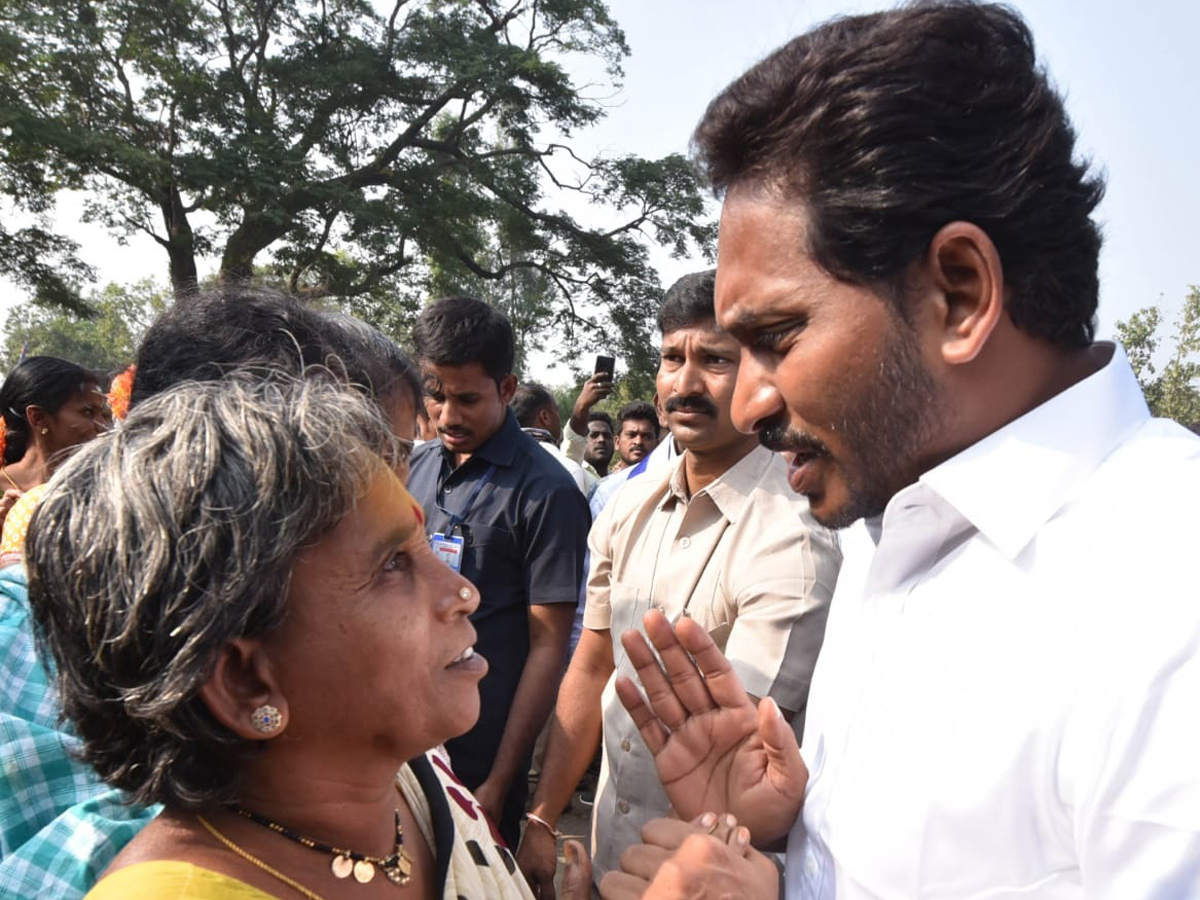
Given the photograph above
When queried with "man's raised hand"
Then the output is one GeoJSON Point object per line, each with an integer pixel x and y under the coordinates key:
{"type": "Point", "coordinates": [713, 750]}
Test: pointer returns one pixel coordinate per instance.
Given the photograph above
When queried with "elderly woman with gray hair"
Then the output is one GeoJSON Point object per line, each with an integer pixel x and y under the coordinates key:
{"type": "Point", "coordinates": [248, 626]}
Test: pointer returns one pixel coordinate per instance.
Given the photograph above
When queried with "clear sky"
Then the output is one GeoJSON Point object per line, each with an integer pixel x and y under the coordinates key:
{"type": "Point", "coordinates": [1127, 70]}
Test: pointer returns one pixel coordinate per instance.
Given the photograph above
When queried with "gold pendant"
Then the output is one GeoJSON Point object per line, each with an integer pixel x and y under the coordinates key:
{"type": "Point", "coordinates": [363, 871]}
{"type": "Point", "coordinates": [400, 871]}
{"type": "Point", "coordinates": [342, 866]}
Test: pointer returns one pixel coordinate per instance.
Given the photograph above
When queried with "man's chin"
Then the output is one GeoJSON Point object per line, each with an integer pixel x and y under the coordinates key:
{"type": "Point", "coordinates": [458, 443]}
{"type": "Point", "coordinates": [839, 509]}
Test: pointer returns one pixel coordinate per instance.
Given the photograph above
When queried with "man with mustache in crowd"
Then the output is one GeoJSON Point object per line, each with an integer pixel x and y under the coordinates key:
{"type": "Point", "coordinates": [719, 538]}
{"type": "Point", "coordinates": [1005, 704]}
{"type": "Point", "coordinates": [511, 520]}
{"type": "Point", "coordinates": [637, 435]}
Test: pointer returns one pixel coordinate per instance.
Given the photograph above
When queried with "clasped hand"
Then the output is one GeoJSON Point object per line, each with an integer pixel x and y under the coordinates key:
{"type": "Point", "coordinates": [708, 858]}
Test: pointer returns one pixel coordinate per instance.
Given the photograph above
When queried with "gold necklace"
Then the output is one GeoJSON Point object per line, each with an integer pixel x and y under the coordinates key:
{"type": "Point", "coordinates": [9, 479]}
{"type": "Point", "coordinates": [254, 860]}
{"type": "Point", "coordinates": [397, 867]}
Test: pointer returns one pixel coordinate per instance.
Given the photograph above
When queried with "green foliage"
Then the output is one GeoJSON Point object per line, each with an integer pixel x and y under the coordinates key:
{"type": "Point", "coordinates": [104, 342]}
{"type": "Point", "coordinates": [371, 151]}
{"type": "Point", "coordinates": [1175, 391]}
{"type": "Point", "coordinates": [45, 263]}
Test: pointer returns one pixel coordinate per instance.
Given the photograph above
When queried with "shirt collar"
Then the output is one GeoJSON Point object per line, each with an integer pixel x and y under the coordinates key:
{"type": "Point", "coordinates": [1012, 482]}
{"type": "Point", "coordinates": [541, 435]}
{"type": "Point", "coordinates": [730, 491]}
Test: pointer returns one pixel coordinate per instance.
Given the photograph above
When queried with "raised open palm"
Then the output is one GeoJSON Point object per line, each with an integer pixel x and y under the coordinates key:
{"type": "Point", "coordinates": [714, 751]}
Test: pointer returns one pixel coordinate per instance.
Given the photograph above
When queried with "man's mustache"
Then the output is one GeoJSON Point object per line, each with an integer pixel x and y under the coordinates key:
{"type": "Point", "coordinates": [691, 404]}
{"type": "Point", "coordinates": [781, 439]}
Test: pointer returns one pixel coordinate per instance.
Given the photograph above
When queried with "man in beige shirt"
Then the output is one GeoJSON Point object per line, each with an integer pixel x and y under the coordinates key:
{"type": "Point", "coordinates": [721, 538]}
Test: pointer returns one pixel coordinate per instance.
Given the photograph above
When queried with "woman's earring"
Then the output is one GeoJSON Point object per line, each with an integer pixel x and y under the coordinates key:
{"type": "Point", "coordinates": [45, 431]}
{"type": "Point", "coordinates": [266, 719]}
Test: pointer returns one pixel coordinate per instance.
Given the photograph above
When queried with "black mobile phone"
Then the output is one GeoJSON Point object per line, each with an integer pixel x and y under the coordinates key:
{"type": "Point", "coordinates": [605, 364]}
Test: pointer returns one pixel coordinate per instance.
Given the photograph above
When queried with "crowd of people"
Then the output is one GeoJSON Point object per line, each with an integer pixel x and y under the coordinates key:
{"type": "Point", "coordinates": [885, 593]}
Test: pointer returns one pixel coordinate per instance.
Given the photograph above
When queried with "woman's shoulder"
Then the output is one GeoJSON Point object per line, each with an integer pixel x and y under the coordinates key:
{"type": "Point", "coordinates": [16, 523]}
{"type": "Point", "coordinates": [172, 880]}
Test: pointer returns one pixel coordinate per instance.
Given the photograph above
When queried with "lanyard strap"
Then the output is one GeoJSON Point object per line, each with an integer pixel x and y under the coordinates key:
{"type": "Point", "coordinates": [456, 519]}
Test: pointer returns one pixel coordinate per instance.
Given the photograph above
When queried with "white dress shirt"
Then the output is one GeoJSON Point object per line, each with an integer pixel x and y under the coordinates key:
{"type": "Point", "coordinates": [1007, 704]}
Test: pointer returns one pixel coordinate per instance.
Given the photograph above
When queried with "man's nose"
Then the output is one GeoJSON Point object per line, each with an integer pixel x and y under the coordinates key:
{"type": "Point", "coordinates": [756, 400]}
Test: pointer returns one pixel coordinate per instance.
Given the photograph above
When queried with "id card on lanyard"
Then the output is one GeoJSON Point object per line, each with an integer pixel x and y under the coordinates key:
{"type": "Point", "coordinates": [448, 545]}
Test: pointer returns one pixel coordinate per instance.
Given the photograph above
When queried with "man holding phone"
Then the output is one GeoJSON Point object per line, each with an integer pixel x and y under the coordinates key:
{"type": "Point", "coordinates": [589, 436]}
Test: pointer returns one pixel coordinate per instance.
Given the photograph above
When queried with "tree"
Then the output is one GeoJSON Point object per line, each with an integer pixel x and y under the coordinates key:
{"type": "Point", "coordinates": [1175, 392]}
{"type": "Point", "coordinates": [359, 149]}
{"type": "Point", "coordinates": [103, 343]}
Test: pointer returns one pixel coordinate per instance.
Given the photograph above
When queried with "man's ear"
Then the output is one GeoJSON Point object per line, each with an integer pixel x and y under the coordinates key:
{"type": "Point", "coordinates": [508, 387]}
{"type": "Point", "coordinates": [241, 685]}
{"type": "Point", "coordinates": [965, 270]}
{"type": "Point", "coordinates": [545, 419]}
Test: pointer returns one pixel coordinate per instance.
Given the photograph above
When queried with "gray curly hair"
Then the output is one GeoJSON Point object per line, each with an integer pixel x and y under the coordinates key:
{"type": "Point", "coordinates": [161, 542]}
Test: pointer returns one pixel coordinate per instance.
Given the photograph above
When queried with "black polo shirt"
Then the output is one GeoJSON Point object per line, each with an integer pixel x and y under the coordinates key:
{"type": "Point", "coordinates": [524, 540]}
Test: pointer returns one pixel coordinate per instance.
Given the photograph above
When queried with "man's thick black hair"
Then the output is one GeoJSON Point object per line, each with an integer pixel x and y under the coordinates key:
{"type": "Point", "coordinates": [884, 128]}
{"type": "Point", "coordinates": [599, 415]}
{"type": "Point", "coordinates": [458, 331]}
{"type": "Point", "coordinates": [639, 410]}
{"type": "Point", "coordinates": [688, 302]}
{"type": "Point", "coordinates": [234, 327]}
{"type": "Point", "coordinates": [247, 327]}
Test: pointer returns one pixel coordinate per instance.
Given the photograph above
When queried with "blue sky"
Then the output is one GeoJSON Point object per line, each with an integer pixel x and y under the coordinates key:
{"type": "Point", "coordinates": [1126, 70]}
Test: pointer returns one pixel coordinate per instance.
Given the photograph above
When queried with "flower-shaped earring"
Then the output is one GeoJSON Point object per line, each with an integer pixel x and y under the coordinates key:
{"type": "Point", "coordinates": [266, 719]}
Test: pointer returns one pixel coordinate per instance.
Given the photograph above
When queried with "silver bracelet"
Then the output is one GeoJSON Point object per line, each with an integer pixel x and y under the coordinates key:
{"type": "Point", "coordinates": [540, 821]}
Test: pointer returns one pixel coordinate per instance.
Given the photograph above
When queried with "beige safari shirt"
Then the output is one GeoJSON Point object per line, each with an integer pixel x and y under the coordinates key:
{"type": "Point", "coordinates": [745, 559]}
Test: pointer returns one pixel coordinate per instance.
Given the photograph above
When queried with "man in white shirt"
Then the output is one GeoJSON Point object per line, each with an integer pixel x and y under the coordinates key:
{"type": "Point", "coordinates": [1005, 705]}
{"type": "Point", "coordinates": [537, 414]}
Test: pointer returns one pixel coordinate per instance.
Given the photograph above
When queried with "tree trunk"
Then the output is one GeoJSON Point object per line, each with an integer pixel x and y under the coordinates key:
{"type": "Point", "coordinates": [248, 240]}
{"type": "Point", "coordinates": [180, 244]}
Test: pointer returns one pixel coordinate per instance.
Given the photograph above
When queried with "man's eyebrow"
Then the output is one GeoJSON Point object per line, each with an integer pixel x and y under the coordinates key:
{"type": "Point", "coordinates": [746, 321]}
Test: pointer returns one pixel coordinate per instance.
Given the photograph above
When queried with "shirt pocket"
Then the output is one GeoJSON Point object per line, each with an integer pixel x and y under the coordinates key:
{"type": "Point", "coordinates": [492, 555]}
